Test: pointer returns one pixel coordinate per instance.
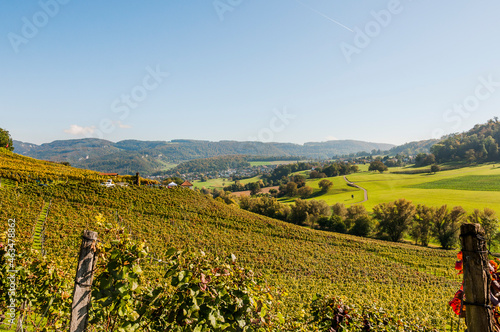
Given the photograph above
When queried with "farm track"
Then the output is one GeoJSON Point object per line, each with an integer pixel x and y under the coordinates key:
{"type": "Point", "coordinates": [352, 184]}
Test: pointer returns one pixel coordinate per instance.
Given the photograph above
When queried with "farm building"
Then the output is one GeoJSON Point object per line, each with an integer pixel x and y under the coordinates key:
{"type": "Point", "coordinates": [187, 184]}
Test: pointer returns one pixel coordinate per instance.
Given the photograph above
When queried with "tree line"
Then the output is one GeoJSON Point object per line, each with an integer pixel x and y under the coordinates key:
{"type": "Point", "coordinates": [388, 221]}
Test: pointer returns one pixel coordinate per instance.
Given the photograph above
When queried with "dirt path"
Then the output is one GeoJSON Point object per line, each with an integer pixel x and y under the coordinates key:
{"type": "Point", "coordinates": [352, 184]}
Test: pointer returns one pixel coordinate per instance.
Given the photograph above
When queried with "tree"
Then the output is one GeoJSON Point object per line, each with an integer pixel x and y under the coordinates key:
{"type": "Point", "coordinates": [6, 140]}
{"type": "Point", "coordinates": [435, 168]}
{"type": "Point", "coordinates": [254, 188]}
{"type": "Point", "coordinates": [377, 165]}
{"type": "Point", "coordinates": [305, 191]}
{"type": "Point", "coordinates": [362, 227]}
{"type": "Point", "coordinates": [325, 185]}
{"type": "Point", "coordinates": [291, 189]}
{"type": "Point", "coordinates": [339, 209]}
{"type": "Point", "coordinates": [488, 219]}
{"type": "Point", "coordinates": [332, 224]}
{"type": "Point", "coordinates": [394, 218]}
{"type": "Point", "coordinates": [422, 224]}
{"type": "Point", "coordinates": [314, 174]}
{"type": "Point", "coordinates": [470, 155]}
{"type": "Point", "coordinates": [446, 225]}
{"type": "Point", "coordinates": [300, 180]}
{"type": "Point", "coordinates": [424, 159]}
{"type": "Point", "coordinates": [355, 212]}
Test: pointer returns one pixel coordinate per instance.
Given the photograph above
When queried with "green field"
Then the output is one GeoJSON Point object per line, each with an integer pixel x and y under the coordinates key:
{"type": "Point", "coordinates": [221, 182]}
{"type": "Point", "coordinates": [473, 187]}
{"type": "Point", "coordinates": [468, 182]}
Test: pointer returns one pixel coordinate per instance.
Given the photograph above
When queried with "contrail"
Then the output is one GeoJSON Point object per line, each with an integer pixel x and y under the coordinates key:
{"type": "Point", "coordinates": [320, 13]}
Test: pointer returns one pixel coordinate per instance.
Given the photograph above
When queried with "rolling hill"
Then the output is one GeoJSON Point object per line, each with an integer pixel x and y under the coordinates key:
{"type": "Point", "coordinates": [130, 156]}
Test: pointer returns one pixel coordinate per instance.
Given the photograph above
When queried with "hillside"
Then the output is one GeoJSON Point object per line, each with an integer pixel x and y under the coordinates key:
{"type": "Point", "coordinates": [300, 261]}
{"type": "Point", "coordinates": [413, 148]}
{"type": "Point", "coordinates": [146, 157]}
{"type": "Point", "coordinates": [480, 144]}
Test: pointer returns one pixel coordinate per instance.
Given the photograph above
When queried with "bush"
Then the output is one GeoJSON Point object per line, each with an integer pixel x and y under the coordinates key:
{"type": "Point", "coordinates": [305, 191]}
{"type": "Point", "coordinates": [362, 227]}
{"type": "Point", "coordinates": [395, 218]}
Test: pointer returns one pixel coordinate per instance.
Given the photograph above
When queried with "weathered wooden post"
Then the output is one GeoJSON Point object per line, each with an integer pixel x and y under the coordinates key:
{"type": "Point", "coordinates": [138, 179]}
{"type": "Point", "coordinates": [83, 283]}
{"type": "Point", "coordinates": [477, 279]}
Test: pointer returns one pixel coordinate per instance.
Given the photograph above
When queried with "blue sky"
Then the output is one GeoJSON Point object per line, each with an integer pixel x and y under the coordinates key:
{"type": "Point", "coordinates": [285, 71]}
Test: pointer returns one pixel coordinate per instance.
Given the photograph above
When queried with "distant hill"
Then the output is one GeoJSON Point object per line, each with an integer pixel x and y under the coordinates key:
{"type": "Point", "coordinates": [414, 148]}
{"type": "Point", "coordinates": [130, 156]}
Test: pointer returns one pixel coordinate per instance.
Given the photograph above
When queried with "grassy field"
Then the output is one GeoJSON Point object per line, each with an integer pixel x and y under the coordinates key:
{"type": "Point", "coordinates": [468, 182]}
{"type": "Point", "coordinates": [221, 182]}
{"type": "Point", "coordinates": [340, 192]}
{"type": "Point", "coordinates": [473, 187]}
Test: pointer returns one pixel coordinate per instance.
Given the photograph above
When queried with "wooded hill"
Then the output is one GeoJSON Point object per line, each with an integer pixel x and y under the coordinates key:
{"type": "Point", "coordinates": [130, 156]}
{"type": "Point", "coordinates": [480, 144]}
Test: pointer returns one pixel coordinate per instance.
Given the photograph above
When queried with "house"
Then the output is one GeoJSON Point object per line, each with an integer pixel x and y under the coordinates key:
{"type": "Point", "coordinates": [172, 185]}
{"type": "Point", "coordinates": [187, 184]}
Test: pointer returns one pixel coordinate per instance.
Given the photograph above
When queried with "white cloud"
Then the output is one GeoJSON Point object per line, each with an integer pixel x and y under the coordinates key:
{"type": "Point", "coordinates": [331, 138]}
{"type": "Point", "coordinates": [79, 130]}
{"type": "Point", "coordinates": [123, 126]}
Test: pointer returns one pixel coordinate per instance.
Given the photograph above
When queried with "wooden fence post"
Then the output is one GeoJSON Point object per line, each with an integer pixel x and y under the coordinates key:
{"type": "Point", "coordinates": [83, 283]}
{"type": "Point", "coordinates": [477, 279]}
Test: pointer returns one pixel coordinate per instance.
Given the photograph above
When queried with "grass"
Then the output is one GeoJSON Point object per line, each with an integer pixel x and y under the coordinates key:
{"type": "Point", "coordinates": [473, 187]}
{"type": "Point", "coordinates": [340, 192]}
{"type": "Point", "coordinates": [388, 187]}
{"type": "Point", "coordinates": [468, 182]}
{"type": "Point", "coordinates": [221, 182]}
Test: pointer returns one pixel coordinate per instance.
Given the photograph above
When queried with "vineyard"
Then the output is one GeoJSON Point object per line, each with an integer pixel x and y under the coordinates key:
{"type": "Point", "coordinates": [409, 283]}
{"type": "Point", "coordinates": [15, 168]}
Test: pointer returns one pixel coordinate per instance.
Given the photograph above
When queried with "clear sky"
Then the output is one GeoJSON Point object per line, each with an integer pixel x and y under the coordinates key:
{"type": "Point", "coordinates": [285, 71]}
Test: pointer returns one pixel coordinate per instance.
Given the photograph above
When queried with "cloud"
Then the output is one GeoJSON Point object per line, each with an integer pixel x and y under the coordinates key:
{"type": "Point", "coordinates": [331, 138]}
{"type": "Point", "coordinates": [123, 126]}
{"type": "Point", "coordinates": [79, 130]}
